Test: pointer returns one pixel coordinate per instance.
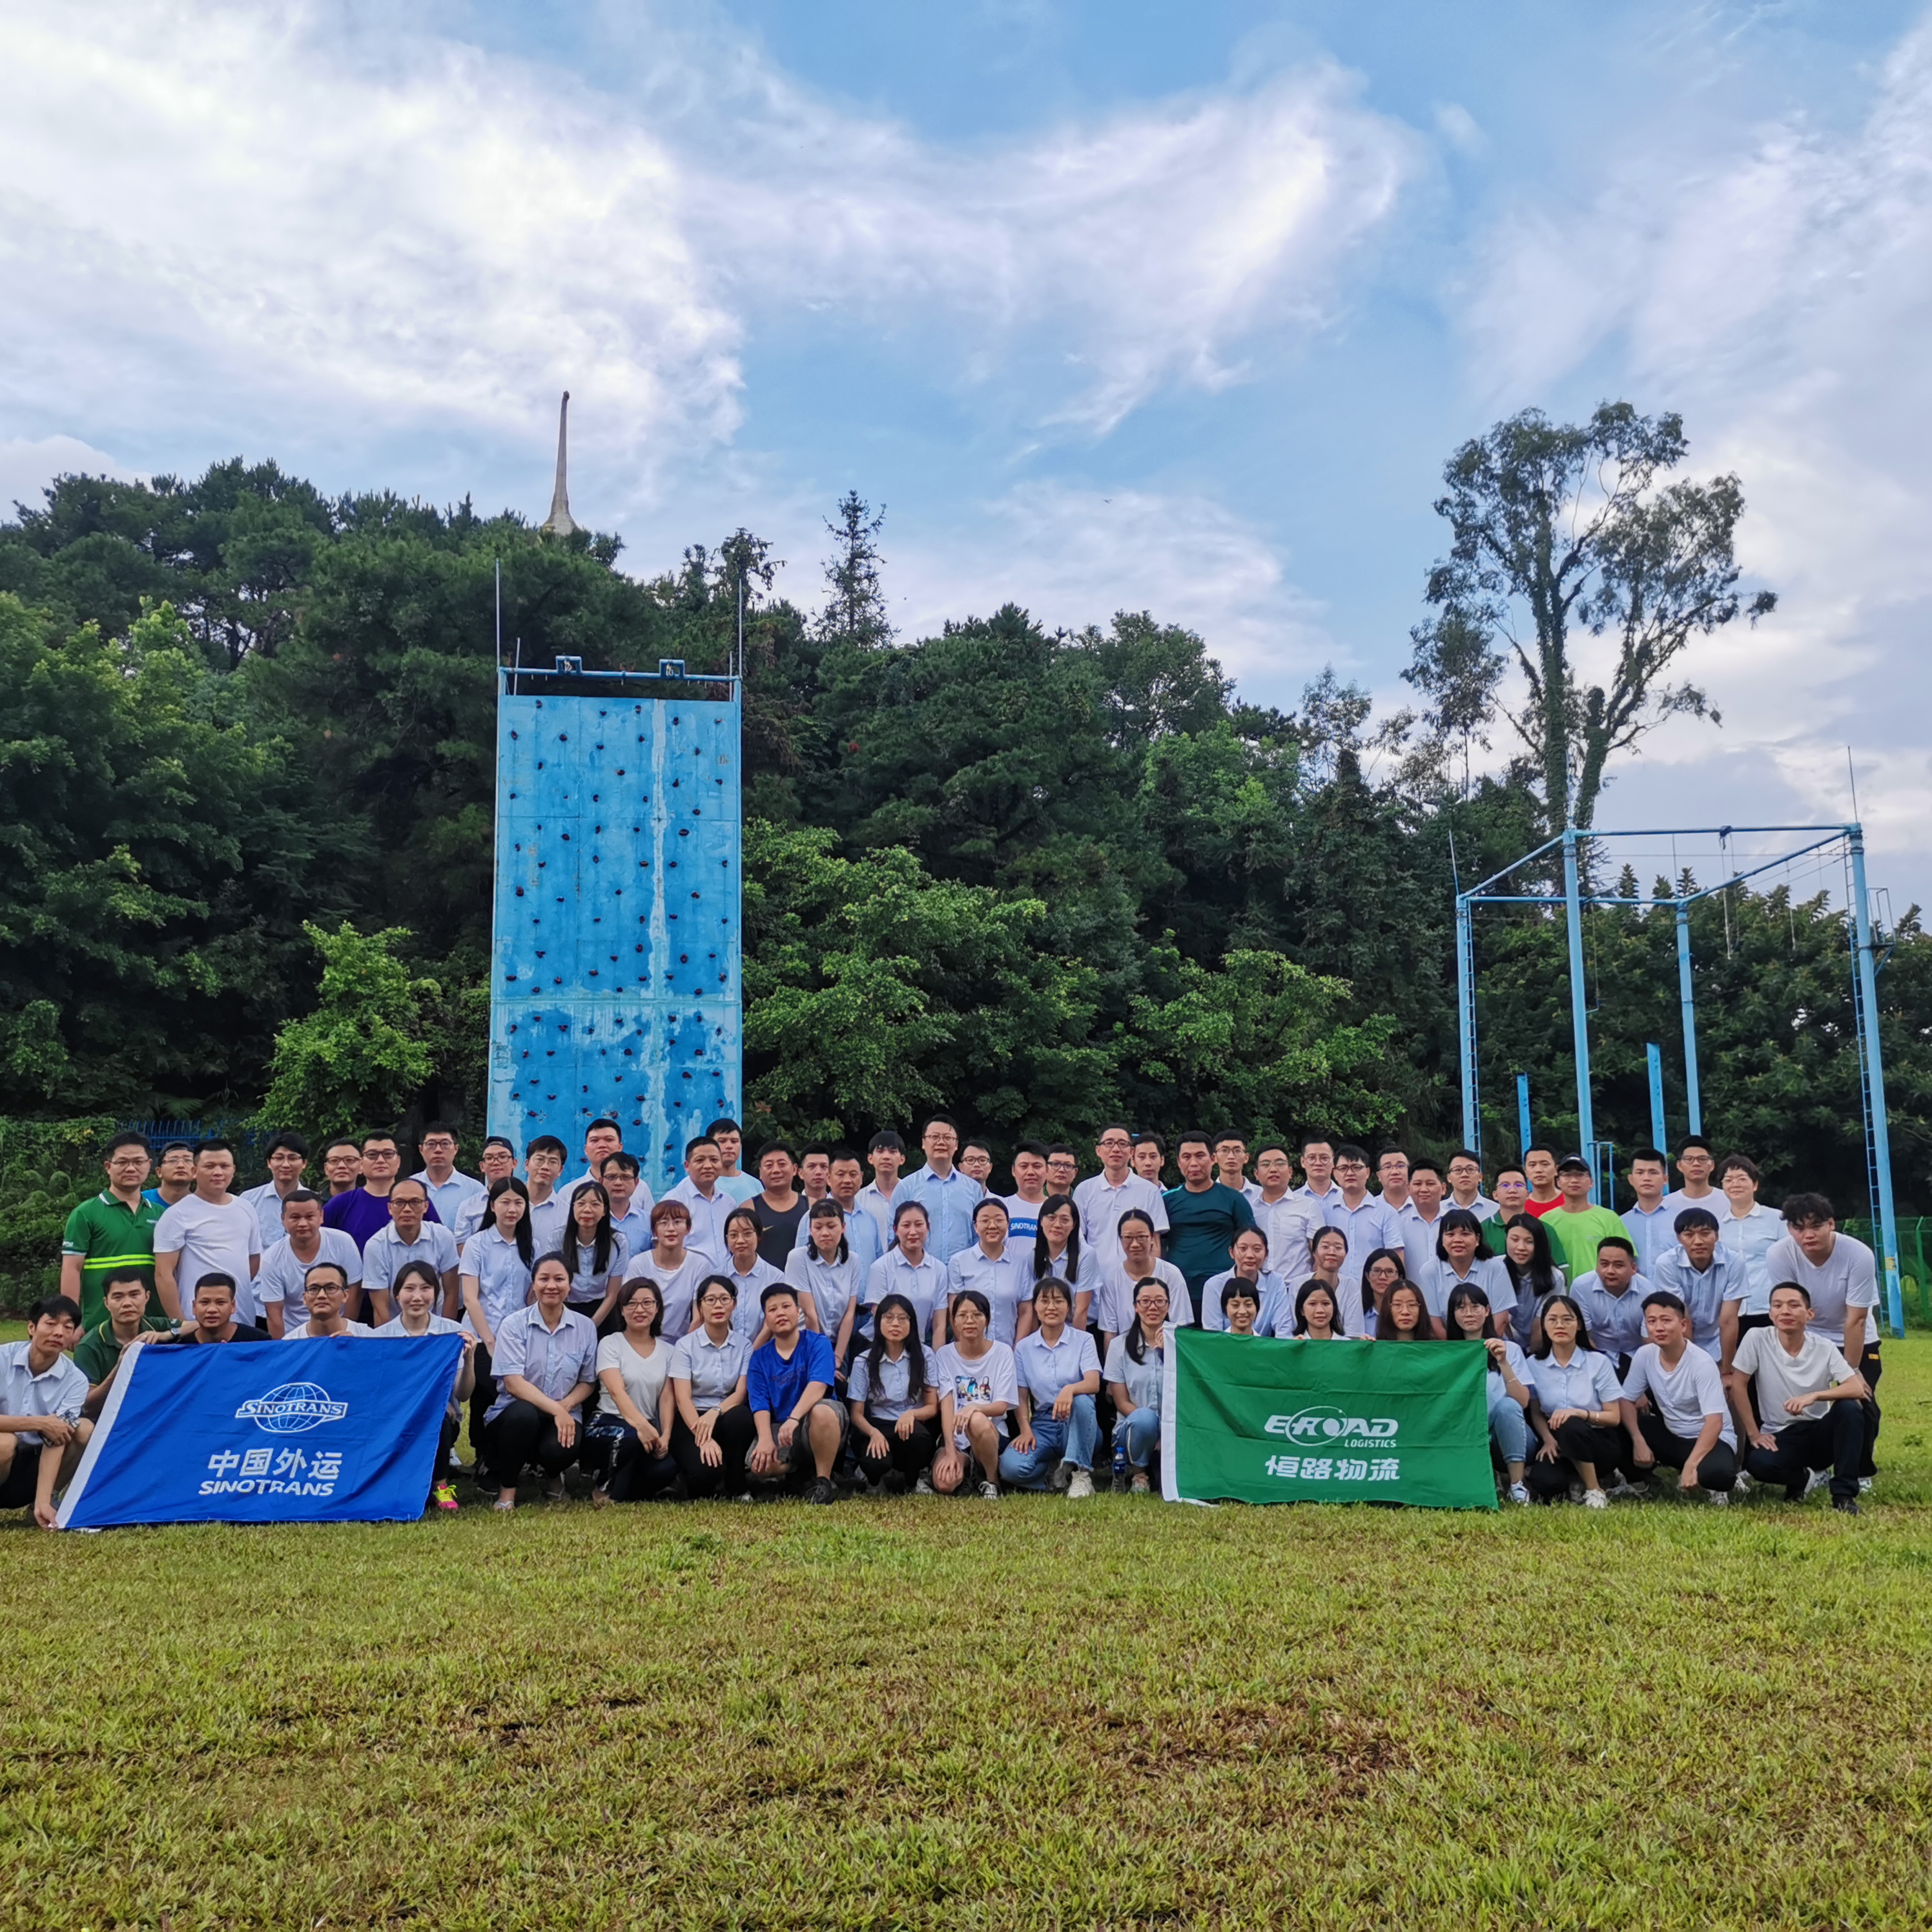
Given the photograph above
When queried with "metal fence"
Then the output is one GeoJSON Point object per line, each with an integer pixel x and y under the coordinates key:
{"type": "Point", "coordinates": [1915, 1237]}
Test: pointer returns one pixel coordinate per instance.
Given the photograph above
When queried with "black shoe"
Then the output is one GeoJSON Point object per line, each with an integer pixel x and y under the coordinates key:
{"type": "Point", "coordinates": [895, 1483]}
{"type": "Point", "coordinates": [1845, 1505]}
{"type": "Point", "coordinates": [821, 1491]}
{"type": "Point", "coordinates": [1794, 1492]}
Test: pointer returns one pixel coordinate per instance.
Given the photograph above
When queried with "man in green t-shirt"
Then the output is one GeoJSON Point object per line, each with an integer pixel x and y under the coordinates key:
{"type": "Point", "coordinates": [1204, 1216]}
{"type": "Point", "coordinates": [113, 1229]}
{"type": "Point", "coordinates": [1576, 1227]}
{"type": "Point", "coordinates": [97, 1354]}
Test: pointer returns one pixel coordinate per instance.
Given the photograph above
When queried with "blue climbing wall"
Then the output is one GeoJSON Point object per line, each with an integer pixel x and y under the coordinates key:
{"type": "Point", "coordinates": [616, 955]}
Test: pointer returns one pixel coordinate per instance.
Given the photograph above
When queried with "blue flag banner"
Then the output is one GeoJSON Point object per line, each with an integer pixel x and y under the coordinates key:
{"type": "Point", "coordinates": [339, 1430]}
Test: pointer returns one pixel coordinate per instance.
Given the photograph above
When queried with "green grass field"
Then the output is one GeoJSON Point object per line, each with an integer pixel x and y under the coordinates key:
{"type": "Point", "coordinates": [962, 1715]}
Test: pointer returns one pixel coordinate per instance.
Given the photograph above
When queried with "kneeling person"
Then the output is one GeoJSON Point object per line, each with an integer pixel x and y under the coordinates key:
{"type": "Point", "coordinates": [1810, 1399]}
{"type": "Point", "coordinates": [416, 1289]}
{"type": "Point", "coordinates": [215, 1320]}
{"type": "Point", "coordinates": [788, 1383]}
{"type": "Point", "coordinates": [1687, 1426]}
{"type": "Point", "coordinates": [1058, 1370]}
{"type": "Point", "coordinates": [41, 1395]}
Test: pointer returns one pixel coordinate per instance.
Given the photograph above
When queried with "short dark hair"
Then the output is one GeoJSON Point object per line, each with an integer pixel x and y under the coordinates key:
{"type": "Point", "coordinates": [1662, 1298]}
{"type": "Point", "coordinates": [625, 1163]}
{"type": "Point", "coordinates": [435, 1127]}
{"type": "Point", "coordinates": [1239, 1287]}
{"type": "Point", "coordinates": [1796, 1288]}
{"type": "Point", "coordinates": [605, 1120]}
{"type": "Point", "coordinates": [414, 1180]}
{"type": "Point", "coordinates": [773, 1291]}
{"type": "Point", "coordinates": [1511, 1167]}
{"type": "Point", "coordinates": [1622, 1241]}
{"type": "Point", "coordinates": [1539, 1147]}
{"type": "Point", "coordinates": [1742, 1163]}
{"type": "Point", "coordinates": [54, 1308]}
{"type": "Point", "coordinates": [1694, 1217]}
{"type": "Point", "coordinates": [377, 1134]}
{"type": "Point", "coordinates": [1464, 1153]}
{"type": "Point", "coordinates": [844, 1150]}
{"type": "Point", "coordinates": [1313, 1139]}
{"type": "Point", "coordinates": [1655, 1155]}
{"type": "Point", "coordinates": [546, 1143]}
{"type": "Point", "coordinates": [811, 1147]}
{"type": "Point", "coordinates": [886, 1141]}
{"type": "Point", "coordinates": [328, 1147]}
{"type": "Point", "coordinates": [1192, 1137]}
{"type": "Point", "coordinates": [1422, 1164]}
{"type": "Point", "coordinates": [124, 1274]}
{"type": "Point", "coordinates": [224, 1284]}
{"type": "Point", "coordinates": [696, 1141]}
{"type": "Point", "coordinates": [777, 1147]}
{"type": "Point", "coordinates": [1690, 1141]}
{"type": "Point", "coordinates": [1060, 1146]}
{"type": "Point", "coordinates": [1350, 1150]}
{"type": "Point", "coordinates": [300, 1197]}
{"type": "Point", "coordinates": [1226, 1135]}
{"type": "Point", "coordinates": [1149, 1139]}
{"type": "Point", "coordinates": [939, 1120]}
{"type": "Point", "coordinates": [1388, 1150]}
{"type": "Point", "coordinates": [286, 1142]}
{"type": "Point", "coordinates": [1269, 1143]}
{"type": "Point", "coordinates": [965, 1147]}
{"type": "Point", "coordinates": [309, 1273]}
{"type": "Point", "coordinates": [1051, 1284]}
{"type": "Point", "coordinates": [127, 1137]}
{"type": "Point", "coordinates": [723, 1124]}
{"type": "Point", "coordinates": [1801, 1210]}
{"type": "Point", "coordinates": [177, 1147]}
{"type": "Point", "coordinates": [217, 1146]}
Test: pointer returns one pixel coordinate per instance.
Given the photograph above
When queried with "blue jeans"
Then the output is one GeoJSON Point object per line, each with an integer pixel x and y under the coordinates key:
{"type": "Point", "coordinates": [1509, 1425]}
{"type": "Point", "coordinates": [1052, 1439]}
{"type": "Point", "coordinates": [1143, 1436]}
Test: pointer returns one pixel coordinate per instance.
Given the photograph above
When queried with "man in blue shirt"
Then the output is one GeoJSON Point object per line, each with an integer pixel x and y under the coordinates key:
{"type": "Point", "coordinates": [788, 1388]}
{"type": "Point", "coordinates": [948, 1195]}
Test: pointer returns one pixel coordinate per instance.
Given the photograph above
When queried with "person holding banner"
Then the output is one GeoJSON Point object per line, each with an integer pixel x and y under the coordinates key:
{"type": "Point", "coordinates": [1135, 1363]}
{"type": "Point", "coordinates": [215, 1318]}
{"type": "Point", "coordinates": [1314, 1311]}
{"type": "Point", "coordinates": [545, 1361]}
{"type": "Point", "coordinates": [417, 1290]}
{"type": "Point", "coordinates": [41, 1394]}
{"type": "Point", "coordinates": [1058, 1369]}
{"type": "Point", "coordinates": [979, 1386]}
{"type": "Point", "coordinates": [714, 1430]}
{"type": "Point", "coordinates": [894, 1405]}
{"type": "Point", "coordinates": [632, 1426]}
{"type": "Point", "coordinates": [1578, 1412]}
{"type": "Point", "coordinates": [1472, 1319]}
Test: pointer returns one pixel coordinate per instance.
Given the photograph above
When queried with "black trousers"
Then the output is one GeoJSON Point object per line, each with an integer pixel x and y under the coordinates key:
{"type": "Point", "coordinates": [1718, 1471]}
{"type": "Point", "coordinates": [910, 1455]}
{"type": "Point", "coordinates": [23, 1476]}
{"type": "Point", "coordinates": [1578, 1442]}
{"type": "Point", "coordinates": [734, 1431]}
{"type": "Point", "coordinates": [481, 1398]}
{"type": "Point", "coordinates": [1839, 1440]}
{"type": "Point", "coordinates": [525, 1436]}
{"type": "Point", "coordinates": [1871, 1366]}
{"type": "Point", "coordinates": [636, 1475]}
{"type": "Point", "coordinates": [446, 1441]}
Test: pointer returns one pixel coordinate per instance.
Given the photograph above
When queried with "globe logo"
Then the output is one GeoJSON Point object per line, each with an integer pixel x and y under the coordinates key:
{"type": "Point", "coordinates": [292, 1409]}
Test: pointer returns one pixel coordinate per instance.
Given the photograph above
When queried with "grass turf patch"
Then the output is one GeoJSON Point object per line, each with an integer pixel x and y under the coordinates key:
{"type": "Point", "coordinates": [960, 1714]}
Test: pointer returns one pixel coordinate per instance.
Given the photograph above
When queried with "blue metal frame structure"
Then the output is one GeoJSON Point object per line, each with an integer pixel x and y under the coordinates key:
{"type": "Point", "coordinates": [615, 983]}
{"type": "Point", "coordinates": [1865, 951]}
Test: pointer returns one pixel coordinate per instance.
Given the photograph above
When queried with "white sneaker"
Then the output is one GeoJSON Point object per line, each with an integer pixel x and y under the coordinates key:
{"type": "Point", "coordinates": [1816, 1481]}
{"type": "Point", "coordinates": [923, 1487]}
{"type": "Point", "coordinates": [1519, 1492]}
{"type": "Point", "coordinates": [991, 1491]}
{"type": "Point", "coordinates": [1079, 1486]}
{"type": "Point", "coordinates": [1718, 1498]}
{"type": "Point", "coordinates": [1595, 1499]}
{"type": "Point", "coordinates": [1864, 1484]}
{"type": "Point", "coordinates": [1742, 1488]}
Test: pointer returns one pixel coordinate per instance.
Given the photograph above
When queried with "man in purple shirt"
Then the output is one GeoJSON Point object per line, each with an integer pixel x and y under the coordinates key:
{"type": "Point", "coordinates": [365, 1210]}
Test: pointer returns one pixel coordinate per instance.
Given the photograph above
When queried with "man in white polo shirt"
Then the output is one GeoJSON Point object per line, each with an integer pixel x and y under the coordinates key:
{"type": "Point", "coordinates": [1102, 1198]}
{"type": "Point", "coordinates": [1673, 1404]}
{"type": "Point", "coordinates": [303, 1242]}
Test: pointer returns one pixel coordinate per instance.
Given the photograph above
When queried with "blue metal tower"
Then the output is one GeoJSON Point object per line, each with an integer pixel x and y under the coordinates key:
{"type": "Point", "coordinates": [615, 978]}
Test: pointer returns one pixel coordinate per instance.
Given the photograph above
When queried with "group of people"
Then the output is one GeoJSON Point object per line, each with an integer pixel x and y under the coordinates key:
{"type": "Point", "coordinates": [801, 1328]}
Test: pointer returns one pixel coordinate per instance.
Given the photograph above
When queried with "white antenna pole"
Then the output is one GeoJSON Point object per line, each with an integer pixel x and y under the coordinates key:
{"type": "Point", "coordinates": [500, 613]}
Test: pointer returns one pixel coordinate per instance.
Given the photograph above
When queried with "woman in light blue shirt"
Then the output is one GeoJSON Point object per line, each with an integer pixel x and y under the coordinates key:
{"type": "Point", "coordinates": [1472, 1319]}
{"type": "Point", "coordinates": [1248, 1251]}
{"type": "Point", "coordinates": [907, 1269]}
{"type": "Point", "coordinates": [1460, 1261]}
{"type": "Point", "coordinates": [495, 1274]}
{"type": "Point", "coordinates": [594, 1252]}
{"type": "Point", "coordinates": [750, 1273]}
{"type": "Point", "coordinates": [1056, 1250]}
{"type": "Point", "coordinates": [1575, 1412]}
{"type": "Point", "coordinates": [1000, 1273]}
{"type": "Point", "coordinates": [714, 1431]}
{"type": "Point", "coordinates": [1136, 1362]}
{"type": "Point", "coordinates": [826, 1274]}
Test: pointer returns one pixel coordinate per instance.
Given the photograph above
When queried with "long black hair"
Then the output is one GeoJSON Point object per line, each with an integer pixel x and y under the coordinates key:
{"type": "Point", "coordinates": [600, 1249]}
{"type": "Point", "coordinates": [915, 1355]}
{"type": "Point", "coordinates": [1540, 1273]}
{"type": "Point", "coordinates": [1467, 1294]}
{"type": "Point", "coordinates": [428, 1273]}
{"type": "Point", "coordinates": [1583, 1341]}
{"type": "Point", "coordinates": [1136, 1339]}
{"type": "Point", "coordinates": [1042, 1262]}
{"type": "Point", "coordinates": [1312, 1285]}
{"type": "Point", "coordinates": [510, 1184]}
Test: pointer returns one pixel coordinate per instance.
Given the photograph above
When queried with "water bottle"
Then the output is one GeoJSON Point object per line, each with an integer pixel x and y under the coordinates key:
{"type": "Point", "coordinates": [1119, 1465]}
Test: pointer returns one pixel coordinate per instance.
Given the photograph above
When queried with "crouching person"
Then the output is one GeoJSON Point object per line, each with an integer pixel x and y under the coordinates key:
{"type": "Point", "coordinates": [1686, 1425]}
{"type": "Point", "coordinates": [1810, 1401]}
{"type": "Point", "coordinates": [894, 1405]}
{"type": "Point", "coordinates": [42, 1431]}
{"type": "Point", "coordinates": [800, 1424]}
{"type": "Point", "coordinates": [545, 1364]}
{"type": "Point", "coordinates": [1058, 1369]}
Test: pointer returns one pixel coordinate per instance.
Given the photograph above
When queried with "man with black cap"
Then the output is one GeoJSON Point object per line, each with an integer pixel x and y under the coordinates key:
{"type": "Point", "coordinates": [1577, 1227]}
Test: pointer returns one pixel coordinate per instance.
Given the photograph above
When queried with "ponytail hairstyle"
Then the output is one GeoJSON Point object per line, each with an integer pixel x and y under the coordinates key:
{"type": "Point", "coordinates": [1136, 1340]}
{"type": "Point", "coordinates": [915, 1354]}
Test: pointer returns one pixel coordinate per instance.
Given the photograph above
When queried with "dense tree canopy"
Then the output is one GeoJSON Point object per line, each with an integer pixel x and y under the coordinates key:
{"type": "Point", "coordinates": [246, 738]}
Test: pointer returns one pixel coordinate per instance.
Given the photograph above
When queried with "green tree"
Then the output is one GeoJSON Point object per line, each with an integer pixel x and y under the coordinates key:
{"type": "Point", "coordinates": [360, 1057]}
{"type": "Point", "coordinates": [1564, 531]}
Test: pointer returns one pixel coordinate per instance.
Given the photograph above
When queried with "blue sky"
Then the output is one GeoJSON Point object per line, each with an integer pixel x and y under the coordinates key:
{"type": "Point", "coordinates": [1111, 306]}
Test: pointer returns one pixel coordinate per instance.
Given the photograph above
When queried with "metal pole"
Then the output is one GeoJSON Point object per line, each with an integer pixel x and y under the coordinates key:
{"type": "Point", "coordinates": [1895, 1300]}
{"type": "Point", "coordinates": [1579, 1017]}
{"type": "Point", "coordinates": [1654, 1054]}
{"type": "Point", "coordinates": [1521, 1114]}
{"type": "Point", "coordinates": [1465, 1026]}
{"type": "Point", "coordinates": [1693, 1101]}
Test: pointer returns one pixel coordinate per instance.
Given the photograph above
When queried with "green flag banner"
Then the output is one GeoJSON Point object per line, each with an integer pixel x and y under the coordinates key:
{"type": "Point", "coordinates": [1247, 1421]}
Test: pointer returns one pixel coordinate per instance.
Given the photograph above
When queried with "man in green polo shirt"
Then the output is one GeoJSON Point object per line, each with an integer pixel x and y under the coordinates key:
{"type": "Point", "coordinates": [1576, 1227]}
{"type": "Point", "coordinates": [114, 1229]}
{"type": "Point", "coordinates": [97, 1354]}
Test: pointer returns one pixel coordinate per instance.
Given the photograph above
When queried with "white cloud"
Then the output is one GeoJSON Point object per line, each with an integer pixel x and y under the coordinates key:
{"type": "Point", "coordinates": [213, 213]}
{"type": "Point", "coordinates": [1073, 557]}
{"type": "Point", "coordinates": [28, 465]}
{"type": "Point", "coordinates": [1778, 292]}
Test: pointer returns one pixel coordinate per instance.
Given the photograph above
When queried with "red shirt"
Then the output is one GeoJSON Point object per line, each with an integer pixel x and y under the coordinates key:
{"type": "Point", "coordinates": [1531, 1205]}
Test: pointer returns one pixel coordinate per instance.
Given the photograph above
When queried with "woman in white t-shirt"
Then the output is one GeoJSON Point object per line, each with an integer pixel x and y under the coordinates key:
{"type": "Point", "coordinates": [416, 1290]}
{"type": "Point", "coordinates": [1469, 1317]}
{"type": "Point", "coordinates": [1135, 1363]}
{"type": "Point", "coordinates": [978, 1387]}
{"type": "Point", "coordinates": [633, 1423]}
